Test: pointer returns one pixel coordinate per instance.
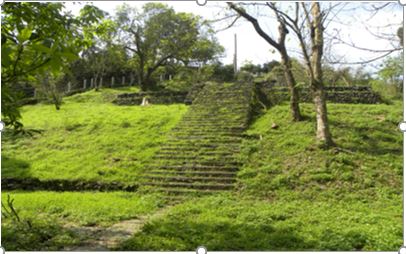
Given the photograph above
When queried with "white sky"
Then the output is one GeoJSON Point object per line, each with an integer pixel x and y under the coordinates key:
{"type": "Point", "coordinates": [251, 47]}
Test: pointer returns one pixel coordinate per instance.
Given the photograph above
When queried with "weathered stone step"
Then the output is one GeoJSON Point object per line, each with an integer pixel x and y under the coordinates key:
{"type": "Point", "coordinates": [197, 167]}
{"type": "Point", "coordinates": [211, 119]}
{"type": "Point", "coordinates": [193, 149]}
{"type": "Point", "coordinates": [221, 99]}
{"type": "Point", "coordinates": [202, 110]}
{"type": "Point", "coordinates": [227, 125]}
{"type": "Point", "coordinates": [217, 107]}
{"type": "Point", "coordinates": [183, 179]}
{"type": "Point", "coordinates": [200, 128]}
{"type": "Point", "coordinates": [225, 128]}
{"type": "Point", "coordinates": [186, 192]}
{"type": "Point", "coordinates": [216, 122]}
{"type": "Point", "coordinates": [196, 153]}
{"type": "Point", "coordinates": [198, 132]}
{"type": "Point", "coordinates": [177, 172]}
{"type": "Point", "coordinates": [212, 145]}
{"type": "Point", "coordinates": [223, 186]}
{"type": "Point", "coordinates": [218, 96]}
{"type": "Point", "coordinates": [200, 158]}
{"type": "Point", "coordinates": [228, 111]}
{"type": "Point", "coordinates": [221, 102]}
{"type": "Point", "coordinates": [220, 144]}
{"type": "Point", "coordinates": [179, 162]}
{"type": "Point", "coordinates": [200, 155]}
{"type": "Point", "coordinates": [231, 139]}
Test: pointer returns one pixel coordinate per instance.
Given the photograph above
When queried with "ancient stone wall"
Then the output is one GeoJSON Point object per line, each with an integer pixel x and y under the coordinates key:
{"type": "Point", "coordinates": [161, 97]}
{"type": "Point", "coordinates": [354, 94]}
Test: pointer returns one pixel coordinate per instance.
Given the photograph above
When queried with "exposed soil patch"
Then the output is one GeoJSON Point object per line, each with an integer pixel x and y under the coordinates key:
{"type": "Point", "coordinates": [97, 238]}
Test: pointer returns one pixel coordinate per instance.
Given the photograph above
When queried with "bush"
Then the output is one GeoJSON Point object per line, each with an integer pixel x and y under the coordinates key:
{"type": "Point", "coordinates": [387, 91]}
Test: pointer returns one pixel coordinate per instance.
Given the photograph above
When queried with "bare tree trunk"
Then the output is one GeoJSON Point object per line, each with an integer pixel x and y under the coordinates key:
{"type": "Point", "coordinates": [291, 82]}
{"type": "Point", "coordinates": [323, 134]}
{"type": "Point", "coordinates": [281, 47]}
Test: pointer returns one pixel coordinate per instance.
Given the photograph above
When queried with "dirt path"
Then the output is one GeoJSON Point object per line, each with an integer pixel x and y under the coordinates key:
{"type": "Point", "coordinates": [96, 238]}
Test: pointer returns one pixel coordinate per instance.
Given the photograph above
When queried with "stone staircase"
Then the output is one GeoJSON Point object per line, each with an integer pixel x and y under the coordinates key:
{"type": "Point", "coordinates": [201, 153]}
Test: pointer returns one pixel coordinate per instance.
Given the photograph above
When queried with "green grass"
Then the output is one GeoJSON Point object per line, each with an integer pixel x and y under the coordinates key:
{"type": "Point", "coordinates": [88, 139]}
{"type": "Point", "coordinates": [84, 208]}
{"type": "Point", "coordinates": [230, 222]}
{"type": "Point", "coordinates": [104, 95]}
{"type": "Point", "coordinates": [367, 164]}
{"type": "Point", "coordinates": [292, 195]}
{"type": "Point", "coordinates": [48, 211]}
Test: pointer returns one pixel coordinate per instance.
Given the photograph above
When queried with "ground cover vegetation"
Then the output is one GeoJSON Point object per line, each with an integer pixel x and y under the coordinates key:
{"type": "Point", "coordinates": [289, 204]}
{"type": "Point", "coordinates": [280, 177]}
{"type": "Point", "coordinates": [87, 139]}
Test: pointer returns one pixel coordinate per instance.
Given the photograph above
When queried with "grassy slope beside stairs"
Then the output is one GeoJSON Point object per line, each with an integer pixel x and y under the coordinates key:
{"type": "Point", "coordinates": [293, 196]}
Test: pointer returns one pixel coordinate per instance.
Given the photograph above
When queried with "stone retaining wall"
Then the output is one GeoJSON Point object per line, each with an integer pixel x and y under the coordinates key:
{"type": "Point", "coordinates": [354, 94]}
{"type": "Point", "coordinates": [162, 97]}
{"type": "Point", "coordinates": [33, 184]}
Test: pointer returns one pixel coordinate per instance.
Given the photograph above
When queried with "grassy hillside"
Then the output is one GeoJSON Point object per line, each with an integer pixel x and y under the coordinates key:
{"type": "Point", "coordinates": [88, 139]}
{"type": "Point", "coordinates": [53, 214]}
{"type": "Point", "coordinates": [290, 194]}
{"type": "Point", "coordinates": [295, 196]}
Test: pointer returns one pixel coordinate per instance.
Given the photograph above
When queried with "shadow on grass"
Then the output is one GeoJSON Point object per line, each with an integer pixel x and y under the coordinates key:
{"type": "Point", "coordinates": [12, 167]}
{"type": "Point", "coordinates": [170, 235]}
{"type": "Point", "coordinates": [374, 140]}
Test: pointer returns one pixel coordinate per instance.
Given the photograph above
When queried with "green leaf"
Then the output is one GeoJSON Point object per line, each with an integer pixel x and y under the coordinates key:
{"type": "Point", "coordinates": [5, 55]}
{"type": "Point", "coordinates": [70, 56]}
{"type": "Point", "coordinates": [41, 48]}
{"type": "Point", "coordinates": [24, 35]}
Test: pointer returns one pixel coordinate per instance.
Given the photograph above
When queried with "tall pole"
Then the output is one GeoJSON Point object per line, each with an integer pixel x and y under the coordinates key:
{"type": "Point", "coordinates": [235, 54]}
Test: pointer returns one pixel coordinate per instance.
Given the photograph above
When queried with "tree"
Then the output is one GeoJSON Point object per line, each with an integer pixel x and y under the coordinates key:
{"type": "Point", "coordinates": [392, 72]}
{"type": "Point", "coordinates": [298, 70]}
{"type": "Point", "coordinates": [308, 27]}
{"type": "Point", "coordinates": [157, 35]}
{"type": "Point", "coordinates": [223, 73]}
{"type": "Point", "coordinates": [315, 20]}
{"type": "Point", "coordinates": [390, 33]}
{"type": "Point", "coordinates": [280, 46]}
{"type": "Point", "coordinates": [32, 45]}
{"type": "Point", "coordinates": [312, 54]}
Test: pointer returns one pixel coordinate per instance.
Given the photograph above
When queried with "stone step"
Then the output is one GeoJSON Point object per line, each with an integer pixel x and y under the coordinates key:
{"type": "Point", "coordinates": [183, 179]}
{"type": "Point", "coordinates": [225, 128]}
{"type": "Point", "coordinates": [195, 153]}
{"type": "Point", "coordinates": [220, 144]}
{"type": "Point", "coordinates": [196, 167]}
{"type": "Point", "coordinates": [212, 145]}
{"type": "Point", "coordinates": [223, 186]}
{"type": "Point", "coordinates": [194, 149]}
{"type": "Point", "coordinates": [215, 122]}
{"type": "Point", "coordinates": [210, 119]}
{"type": "Point", "coordinates": [196, 108]}
{"type": "Point", "coordinates": [197, 132]}
{"type": "Point", "coordinates": [200, 158]}
{"type": "Point", "coordinates": [193, 173]}
{"type": "Point", "coordinates": [228, 125]}
{"type": "Point", "coordinates": [186, 192]}
{"type": "Point", "coordinates": [204, 110]}
{"type": "Point", "coordinates": [200, 155]}
{"type": "Point", "coordinates": [206, 138]}
{"type": "Point", "coordinates": [195, 162]}
{"type": "Point", "coordinates": [219, 112]}
{"type": "Point", "coordinates": [219, 97]}
{"type": "Point", "coordinates": [222, 98]}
